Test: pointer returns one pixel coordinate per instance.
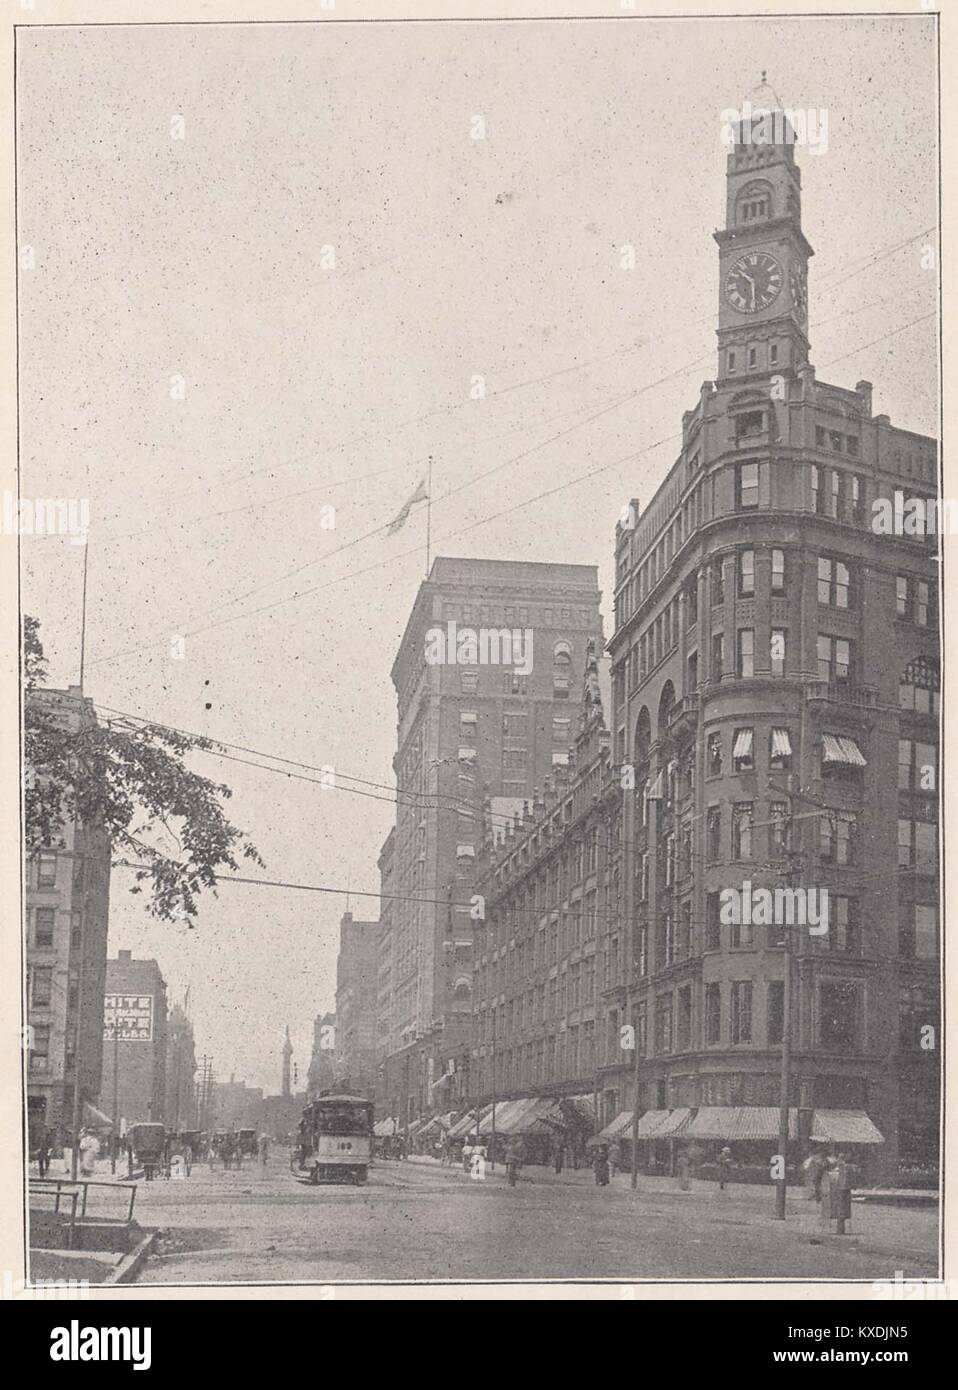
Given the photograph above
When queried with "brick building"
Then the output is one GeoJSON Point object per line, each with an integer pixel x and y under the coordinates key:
{"type": "Point", "coordinates": [321, 1075]}
{"type": "Point", "coordinates": [67, 887]}
{"type": "Point", "coordinates": [476, 718]}
{"type": "Point", "coordinates": [134, 1022]}
{"type": "Point", "coordinates": [775, 689]}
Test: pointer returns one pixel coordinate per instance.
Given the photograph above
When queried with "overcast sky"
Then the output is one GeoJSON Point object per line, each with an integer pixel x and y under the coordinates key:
{"type": "Point", "coordinates": [201, 258]}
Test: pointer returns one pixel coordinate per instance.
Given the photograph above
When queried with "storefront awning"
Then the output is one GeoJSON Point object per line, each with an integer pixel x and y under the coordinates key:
{"type": "Point", "coordinates": [677, 1124]}
{"type": "Point", "coordinates": [841, 751]}
{"type": "Point", "coordinates": [384, 1128]}
{"type": "Point", "coordinates": [742, 1123]}
{"type": "Point", "coordinates": [467, 1125]}
{"type": "Point", "coordinates": [618, 1128]}
{"type": "Point", "coordinates": [844, 1127]}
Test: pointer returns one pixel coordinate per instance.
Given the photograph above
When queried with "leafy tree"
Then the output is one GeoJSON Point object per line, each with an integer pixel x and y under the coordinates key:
{"type": "Point", "coordinates": [132, 782]}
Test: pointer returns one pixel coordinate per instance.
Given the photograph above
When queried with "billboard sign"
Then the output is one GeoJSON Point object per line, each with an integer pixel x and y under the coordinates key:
{"type": "Point", "coordinates": [128, 1017]}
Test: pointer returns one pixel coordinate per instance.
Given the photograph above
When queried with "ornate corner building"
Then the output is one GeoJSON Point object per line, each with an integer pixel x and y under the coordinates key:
{"type": "Point", "coordinates": [776, 692]}
{"type": "Point", "coordinates": [773, 725]}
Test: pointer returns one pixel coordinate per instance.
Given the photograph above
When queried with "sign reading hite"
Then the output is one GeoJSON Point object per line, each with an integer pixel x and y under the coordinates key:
{"type": "Point", "coordinates": [128, 1017]}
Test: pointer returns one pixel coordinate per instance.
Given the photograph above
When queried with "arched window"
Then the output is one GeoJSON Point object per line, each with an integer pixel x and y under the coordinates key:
{"type": "Point", "coordinates": [919, 686]}
{"type": "Point", "coordinates": [562, 654]}
{"type": "Point", "coordinates": [462, 989]}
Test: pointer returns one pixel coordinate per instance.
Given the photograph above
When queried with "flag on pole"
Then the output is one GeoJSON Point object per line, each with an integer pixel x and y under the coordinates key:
{"type": "Point", "coordinates": [399, 520]}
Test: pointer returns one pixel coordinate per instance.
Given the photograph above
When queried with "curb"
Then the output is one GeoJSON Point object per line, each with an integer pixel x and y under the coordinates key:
{"type": "Point", "coordinates": [129, 1267]}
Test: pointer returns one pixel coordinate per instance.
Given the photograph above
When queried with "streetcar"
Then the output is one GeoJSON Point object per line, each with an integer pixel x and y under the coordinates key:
{"type": "Point", "coordinates": [334, 1140]}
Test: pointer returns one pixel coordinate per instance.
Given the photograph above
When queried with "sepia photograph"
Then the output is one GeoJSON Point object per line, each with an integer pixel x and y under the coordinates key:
{"type": "Point", "coordinates": [476, 532]}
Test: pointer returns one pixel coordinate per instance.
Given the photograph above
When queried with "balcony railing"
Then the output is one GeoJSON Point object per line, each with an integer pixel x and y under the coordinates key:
{"type": "Point", "coordinates": [842, 693]}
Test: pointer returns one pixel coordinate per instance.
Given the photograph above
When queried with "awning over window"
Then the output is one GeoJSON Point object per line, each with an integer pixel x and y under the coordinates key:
{"type": "Point", "coordinates": [743, 744]}
{"type": "Point", "coordinates": [844, 1127]}
{"type": "Point", "coordinates": [781, 744]}
{"type": "Point", "coordinates": [842, 751]}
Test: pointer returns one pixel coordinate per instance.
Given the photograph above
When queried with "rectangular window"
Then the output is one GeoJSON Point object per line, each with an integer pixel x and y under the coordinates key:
{"type": "Point", "coordinates": [718, 655]}
{"type": "Point", "coordinates": [713, 1013]}
{"type": "Point", "coordinates": [752, 356]}
{"type": "Point", "coordinates": [741, 1011]}
{"type": "Point", "coordinates": [838, 830]}
{"type": "Point", "coordinates": [561, 729]}
{"type": "Point", "coordinates": [838, 1016]}
{"type": "Point", "coordinates": [746, 652]}
{"type": "Point", "coordinates": [731, 360]}
{"type": "Point", "coordinates": [740, 934]}
{"type": "Point", "coordinates": [778, 571]}
{"type": "Point", "coordinates": [43, 926]}
{"type": "Point", "coordinates": [42, 990]}
{"type": "Point", "coordinates": [773, 354]}
{"type": "Point", "coordinates": [775, 1012]}
{"type": "Point", "coordinates": [779, 638]}
{"type": "Point", "coordinates": [902, 601]}
{"type": "Point", "coordinates": [40, 1047]}
{"type": "Point", "coordinates": [684, 1025]}
{"type": "Point", "coordinates": [926, 932]}
{"type": "Point", "coordinates": [560, 687]}
{"type": "Point", "coordinates": [46, 869]}
{"type": "Point", "coordinates": [717, 583]}
{"type": "Point", "coordinates": [714, 755]}
{"type": "Point", "coordinates": [468, 722]}
{"type": "Point", "coordinates": [922, 603]}
{"type": "Point", "coordinates": [747, 481]}
{"type": "Point", "coordinates": [742, 830]}
{"type": "Point", "coordinates": [515, 724]}
{"type": "Point", "coordinates": [779, 832]}
{"type": "Point", "coordinates": [743, 759]}
{"type": "Point", "coordinates": [834, 658]}
{"type": "Point", "coordinates": [713, 922]}
{"type": "Point", "coordinates": [817, 503]}
{"type": "Point", "coordinates": [713, 833]}
{"type": "Point", "coordinates": [844, 931]}
{"type": "Point", "coordinates": [779, 751]}
{"type": "Point", "coordinates": [512, 757]}
{"type": "Point", "coordinates": [663, 1026]}
{"type": "Point", "coordinates": [833, 583]}
{"type": "Point", "coordinates": [746, 573]}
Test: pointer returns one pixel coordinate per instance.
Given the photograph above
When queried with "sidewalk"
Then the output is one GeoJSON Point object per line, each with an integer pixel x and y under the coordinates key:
{"type": "Point", "coordinates": [886, 1230]}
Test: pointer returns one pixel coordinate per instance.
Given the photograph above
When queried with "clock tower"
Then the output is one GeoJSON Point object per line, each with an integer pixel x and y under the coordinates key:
{"type": "Point", "coordinates": [763, 254]}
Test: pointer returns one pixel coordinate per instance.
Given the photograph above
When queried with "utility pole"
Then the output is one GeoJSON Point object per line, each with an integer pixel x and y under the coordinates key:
{"type": "Point", "coordinates": [116, 1086]}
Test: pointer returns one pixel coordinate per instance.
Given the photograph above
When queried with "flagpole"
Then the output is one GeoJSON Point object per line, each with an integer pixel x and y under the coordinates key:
{"type": "Point", "coordinates": [428, 514]}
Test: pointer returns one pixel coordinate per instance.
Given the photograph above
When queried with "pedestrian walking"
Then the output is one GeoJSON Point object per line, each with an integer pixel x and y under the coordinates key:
{"type": "Point", "coordinates": [828, 1183]}
{"type": "Point", "coordinates": [724, 1165]}
{"type": "Point", "coordinates": [226, 1150]}
{"type": "Point", "coordinates": [558, 1155]}
{"type": "Point", "coordinates": [615, 1158]}
{"type": "Point", "coordinates": [89, 1152]}
{"type": "Point", "coordinates": [600, 1165]}
{"type": "Point", "coordinates": [44, 1149]}
{"type": "Point", "coordinates": [682, 1170]}
{"type": "Point", "coordinates": [813, 1168]}
{"type": "Point", "coordinates": [264, 1149]}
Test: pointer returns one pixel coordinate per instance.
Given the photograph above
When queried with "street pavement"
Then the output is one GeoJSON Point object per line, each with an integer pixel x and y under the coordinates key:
{"type": "Point", "coordinates": [416, 1220]}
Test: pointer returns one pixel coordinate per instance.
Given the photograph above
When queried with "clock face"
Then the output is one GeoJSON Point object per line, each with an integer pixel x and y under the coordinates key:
{"type": "Point", "coordinates": [796, 283]}
{"type": "Point", "coordinates": [753, 282]}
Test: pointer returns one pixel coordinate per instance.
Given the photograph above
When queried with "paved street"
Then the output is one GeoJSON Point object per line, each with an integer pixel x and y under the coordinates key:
{"type": "Point", "coordinates": [416, 1220]}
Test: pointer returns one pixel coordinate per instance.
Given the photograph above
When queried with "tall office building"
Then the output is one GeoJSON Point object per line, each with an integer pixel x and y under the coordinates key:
{"type": "Point", "coordinates": [485, 679]}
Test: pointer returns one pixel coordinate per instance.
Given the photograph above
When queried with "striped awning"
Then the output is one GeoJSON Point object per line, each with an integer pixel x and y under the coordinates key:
{"type": "Point", "coordinates": [781, 743]}
{"type": "Point", "coordinates": [619, 1127]}
{"type": "Point", "coordinates": [740, 1122]}
{"type": "Point", "coordinates": [742, 748]}
{"type": "Point", "coordinates": [844, 1127]}
{"type": "Point", "coordinates": [845, 751]}
{"type": "Point", "coordinates": [676, 1124]}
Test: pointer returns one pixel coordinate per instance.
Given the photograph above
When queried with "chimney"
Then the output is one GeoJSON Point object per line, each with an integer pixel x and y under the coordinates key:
{"type": "Point", "coordinates": [863, 389]}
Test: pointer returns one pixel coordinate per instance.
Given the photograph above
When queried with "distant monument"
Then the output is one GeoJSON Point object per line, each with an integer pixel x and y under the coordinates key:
{"type": "Point", "coordinates": [287, 1054]}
